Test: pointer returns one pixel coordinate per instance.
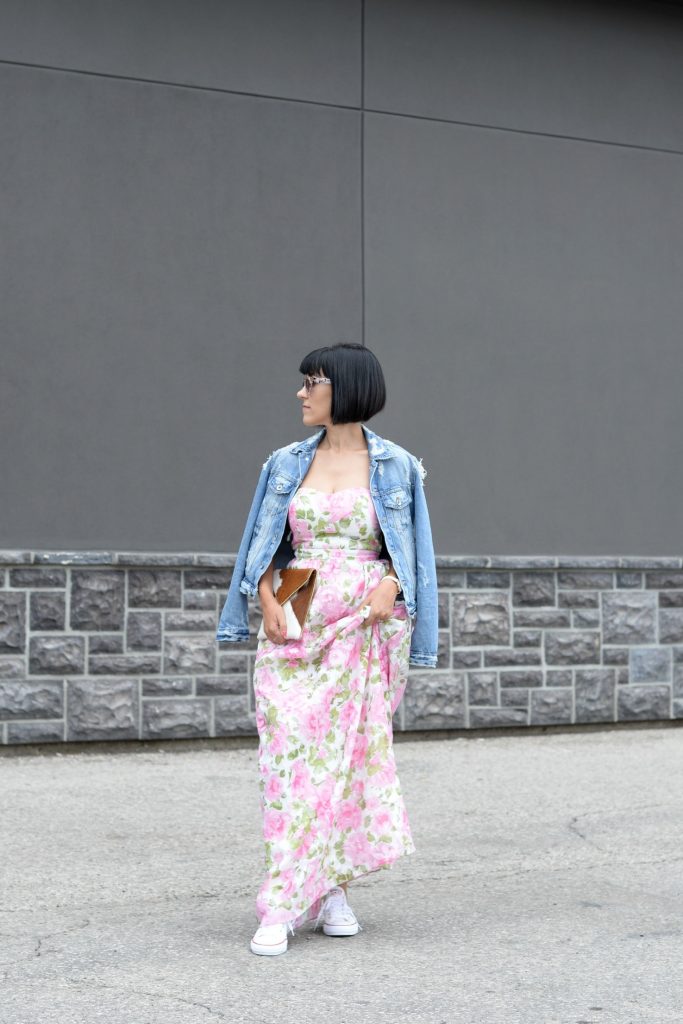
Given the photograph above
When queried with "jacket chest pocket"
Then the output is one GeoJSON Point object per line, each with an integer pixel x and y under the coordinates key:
{"type": "Point", "coordinates": [397, 502]}
{"type": "Point", "coordinates": [277, 492]}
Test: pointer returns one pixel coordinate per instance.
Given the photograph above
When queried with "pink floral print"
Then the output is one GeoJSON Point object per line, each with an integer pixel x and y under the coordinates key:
{"type": "Point", "coordinates": [331, 800]}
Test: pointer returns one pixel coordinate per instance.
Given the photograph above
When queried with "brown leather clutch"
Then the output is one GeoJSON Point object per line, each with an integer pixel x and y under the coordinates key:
{"type": "Point", "coordinates": [293, 589]}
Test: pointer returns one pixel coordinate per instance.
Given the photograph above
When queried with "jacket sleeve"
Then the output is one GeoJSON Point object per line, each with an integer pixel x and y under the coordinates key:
{"type": "Point", "coordinates": [234, 619]}
{"type": "Point", "coordinates": [425, 639]}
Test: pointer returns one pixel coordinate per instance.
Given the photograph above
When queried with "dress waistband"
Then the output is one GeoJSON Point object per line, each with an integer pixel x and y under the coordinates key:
{"type": "Point", "coordinates": [327, 551]}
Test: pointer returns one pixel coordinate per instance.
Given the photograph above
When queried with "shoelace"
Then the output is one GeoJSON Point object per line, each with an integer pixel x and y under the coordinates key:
{"type": "Point", "coordinates": [336, 898]}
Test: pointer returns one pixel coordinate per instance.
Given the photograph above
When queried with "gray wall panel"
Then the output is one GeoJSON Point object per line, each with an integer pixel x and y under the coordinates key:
{"type": "Point", "coordinates": [610, 71]}
{"type": "Point", "coordinates": [169, 253]}
{"type": "Point", "coordinates": [303, 49]}
{"type": "Point", "coordinates": [168, 257]}
{"type": "Point", "coordinates": [529, 290]}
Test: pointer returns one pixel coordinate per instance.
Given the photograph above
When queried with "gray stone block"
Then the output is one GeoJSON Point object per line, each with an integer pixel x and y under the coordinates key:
{"type": "Point", "coordinates": [175, 718]}
{"type": "Point", "coordinates": [482, 688]}
{"type": "Point", "coordinates": [643, 702]}
{"type": "Point", "coordinates": [12, 667]}
{"type": "Point", "coordinates": [678, 682]}
{"type": "Point", "coordinates": [74, 557]}
{"type": "Point", "coordinates": [572, 647]}
{"type": "Point", "coordinates": [97, 599]}
{"type": "Point", "coordinates": [512, 656]}
{"type": "Point", "coordinates": [36, 732]}
{"type": "Point", "coordinates": [580, 579]}
{"type": "Point", "coordinates": [541, 618]}
{"type": "Point", "coordinates": [62, 655]}
{"type": "Point", "coordinates": [578, 599]}
{"type": "Point", "coordinates": [105, 643]}
{"type": "Point", "coordinates": [233, 718]}
{"type": "Point", "coordinates": [650, 665]}
{"type": "Point", "coordinates": [201, 599]}
{"type": "Point", "coordinates": [558, 677]}
{"type": "Point", "coordinates": [435, 700]}
{"type": "Point", "coordinates": [586, 618]}
{"type": "Point", "coordinates": [123, 664]}
{"type": "Point", "coordinates": [465, 659]}
{"type": "Point", "coordinates": [143, 631]}
{"type": "Point", "coordinates": [533, 588]}
{"type": "Point", "coordinates": [451, 578]}
{"type": "Point", "coordinates": [444, 609]}
{"type": "Point", "coordinates": [671, 598]}
{"type": "Point", "coordinates": [664, 579]}
{"type": "Point", "coordinates": [207, 579]}
{"type": "Point", "coordinates": [633, 580]}
{"type": "Point", "coordinates": [615, 655]}
{"type": "Point", "coordinates": [154, 558]}
{"type": "Point", "coordinates": [167, 686]}
{"type": "Point", "coordinates": [190, 621]}
{"type": "Point", "coordinates": [594, 694]}
{"type": "Point", "coordinates": [238, 664]}
{"type": "Point", "coordinates": [527, 638]}
{"type": "Point", "coordinates": [629, 617]}
{"type": "Point", "coordinates": [524, 677]}
{"type": "Point", "coordinates": [514, 698]}
{"type": "Point", "coordinates": [102, 709]}
{"type": "Point", "coordinates": [479, 619]}
{"type": "Point", "coordinates": [34, 577]}
{"type": "Point", "coordinates": [12, 622]}
{"type": "Point", "coordinates": [227, 685]}
{"type": "Point", "coordinates": [487, 578]}
{"type": "Point", "coordinates": [24, 698]}
{"type": "Point", "coordinates": [670, 625]}
{"type": "Point", "coordinates": [550, 707]}
{"type": "Point", "coordinates": [189, 654]}
{"type": "Point", "coordinates": [154, 588]}
{"type": "Point", "coordinates": [489, 718]}
{"type": "Point", "coordinates": [47, 610]}
{"type": "Point", "coordinates": [443, 651]}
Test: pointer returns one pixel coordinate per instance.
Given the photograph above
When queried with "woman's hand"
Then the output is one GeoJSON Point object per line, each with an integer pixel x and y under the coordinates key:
{"type": "Point", "coordinates": [274, 622]}
{"type": "Point", "coordinates": [381, 602]}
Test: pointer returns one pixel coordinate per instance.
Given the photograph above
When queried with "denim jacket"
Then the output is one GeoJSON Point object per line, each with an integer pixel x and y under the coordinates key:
{"type": "Point", "coordinates": [398, 495]}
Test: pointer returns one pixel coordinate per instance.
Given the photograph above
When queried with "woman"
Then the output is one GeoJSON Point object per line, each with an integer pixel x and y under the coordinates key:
{"type": "Point", "coordinates": [332, 804]}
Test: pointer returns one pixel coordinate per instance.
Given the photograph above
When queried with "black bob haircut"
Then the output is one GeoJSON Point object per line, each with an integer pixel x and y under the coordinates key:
{"type": "Point", "coordinates": [358, 387]}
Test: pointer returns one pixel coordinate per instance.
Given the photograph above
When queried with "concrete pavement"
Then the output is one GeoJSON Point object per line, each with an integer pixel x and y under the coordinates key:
{"type": "Point", "coordinates": [547, 888]}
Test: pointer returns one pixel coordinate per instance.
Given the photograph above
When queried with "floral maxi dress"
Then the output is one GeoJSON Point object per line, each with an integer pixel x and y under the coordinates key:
{"type": "Point", "coordinates": [330, 796]}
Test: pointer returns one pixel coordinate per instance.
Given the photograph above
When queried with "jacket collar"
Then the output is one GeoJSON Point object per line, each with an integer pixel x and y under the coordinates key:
{"type": "Point", "coordinates": [377, 446]}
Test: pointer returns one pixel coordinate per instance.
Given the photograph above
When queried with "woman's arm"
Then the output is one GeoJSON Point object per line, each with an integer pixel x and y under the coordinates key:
{"type": "Point", "coordinates": [392, 572]}
{"type": "Point", "coordinates": [265, 585]}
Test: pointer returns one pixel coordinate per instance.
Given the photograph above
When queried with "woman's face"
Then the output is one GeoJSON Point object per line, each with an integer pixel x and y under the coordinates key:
{"type": "Point", "coordinates": [316, 403]}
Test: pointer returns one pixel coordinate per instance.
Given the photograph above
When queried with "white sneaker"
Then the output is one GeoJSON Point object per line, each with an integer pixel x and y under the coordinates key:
{"type": "Point", "coordinates": [270, 939]}
{"type": "Point", "coordinates": [336, 915]}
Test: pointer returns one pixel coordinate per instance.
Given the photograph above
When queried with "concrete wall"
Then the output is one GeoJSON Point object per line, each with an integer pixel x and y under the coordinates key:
{"type": "Point", "coordinates": [195, 194]}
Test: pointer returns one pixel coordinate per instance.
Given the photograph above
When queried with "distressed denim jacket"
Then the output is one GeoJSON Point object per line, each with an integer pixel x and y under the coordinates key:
{"type": "Point", "coordinates": [396, 485]}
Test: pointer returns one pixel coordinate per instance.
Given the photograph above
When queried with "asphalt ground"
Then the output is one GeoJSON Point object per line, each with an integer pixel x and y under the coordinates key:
{"type": "Point", "coordinates": [547, 888]}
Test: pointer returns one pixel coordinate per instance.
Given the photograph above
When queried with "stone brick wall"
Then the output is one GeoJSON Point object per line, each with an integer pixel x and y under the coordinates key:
{"type": "Point", "coordinates": [98, 646]}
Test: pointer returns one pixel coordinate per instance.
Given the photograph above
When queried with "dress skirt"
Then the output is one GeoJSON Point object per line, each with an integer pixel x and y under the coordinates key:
{"type": "Point", "coordinates": [329, 792]}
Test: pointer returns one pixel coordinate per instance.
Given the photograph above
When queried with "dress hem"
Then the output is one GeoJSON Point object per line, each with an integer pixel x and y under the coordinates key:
{"type": "Point", "coordinates": [311, 911]}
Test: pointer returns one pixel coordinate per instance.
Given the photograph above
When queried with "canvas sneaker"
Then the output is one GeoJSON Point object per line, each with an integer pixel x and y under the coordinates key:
{"type": "Point", "coordinates": [336, 916]}
{"type": "Point", "coordinates": [271, 939]}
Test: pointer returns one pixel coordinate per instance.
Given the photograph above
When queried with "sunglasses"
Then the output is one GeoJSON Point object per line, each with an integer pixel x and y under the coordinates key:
{"type": "Point", "coordinates": [310, 382]}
